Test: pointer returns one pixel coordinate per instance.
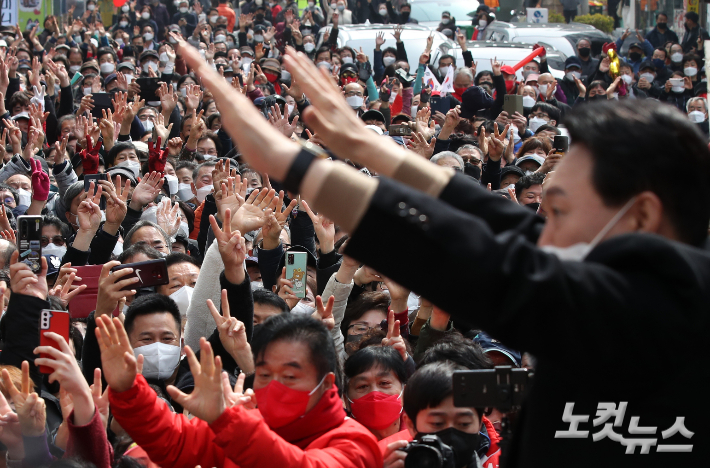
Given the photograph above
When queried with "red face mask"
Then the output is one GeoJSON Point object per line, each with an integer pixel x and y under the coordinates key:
{"type": "Point", "coordinates": [347, 80]}
{"type": "Point", "coordinates": [376, 410]}
{"type": "Point", "coordinates": [281, 405]}
{"type": "Point", "coordinates": [509, 85]}
{"type": "Point", "coordinates": [271, 77]}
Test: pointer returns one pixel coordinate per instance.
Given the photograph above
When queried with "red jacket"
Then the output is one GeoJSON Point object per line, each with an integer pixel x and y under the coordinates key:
{"type": "Point", "coordinates": [237, 438]}
{"type": "Point", "coordinates": [491, 460]}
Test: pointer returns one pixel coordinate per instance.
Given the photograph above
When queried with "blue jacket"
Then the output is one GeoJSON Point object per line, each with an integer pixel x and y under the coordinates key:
{"type": "Point", "coordinates": [647, 51]}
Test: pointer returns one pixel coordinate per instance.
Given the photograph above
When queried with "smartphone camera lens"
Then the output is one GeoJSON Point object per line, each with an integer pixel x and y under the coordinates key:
{"type": "Point", "coordinates": [290, 259]}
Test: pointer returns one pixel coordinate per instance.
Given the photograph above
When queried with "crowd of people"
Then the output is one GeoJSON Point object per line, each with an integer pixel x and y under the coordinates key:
{"type": "Point", "coordinates": [218, 140]}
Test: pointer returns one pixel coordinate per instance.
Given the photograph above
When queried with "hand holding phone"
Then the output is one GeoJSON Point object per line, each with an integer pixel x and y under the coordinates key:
{"type": "Point", "coordinates": [29, 237]}
{"type": "Point", "coordinates": [55, 321]}
{"type": "Point", "coordinates": [149, 273]}
{"type": "Point", "coordinates": [296, 263]}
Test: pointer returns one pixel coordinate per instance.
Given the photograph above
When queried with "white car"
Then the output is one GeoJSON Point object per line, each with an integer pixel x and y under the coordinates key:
{"type": "Point", "coordinates": [559, 36]}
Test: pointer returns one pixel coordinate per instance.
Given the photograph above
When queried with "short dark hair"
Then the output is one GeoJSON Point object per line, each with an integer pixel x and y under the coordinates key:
{"type": "Point", "coordinates": [135, 249]}
{"type": "Point", "coordinates": [693, 57]}
{"type": "Point", "coordinates": [660, 13]}
{"type": "Point", "coordinates": [268, 298]}
{"type": "Point", "coordinates": [298, 328]}
{"type": "Point", "coordinates": [633, 144]}
{"type": "Point", "coordinates": [549, 109]}
{"type": "Point", "coordinates": [548, 127]}
{"type": "Point", "coordinates": [151, 304]}
{"type": "Point", "coordinates": [692, 16]}
{"type": "Point", "coordinates": [525, 182]}
{"type": "Point", "coordinates": [365, 302]}
{"type": "Point", "coordinates": [534, 143]}
{"type": "Point", "coordinates": [661, 49]}
{"type": "Point", "coordinates": [322, 49]}
{"type": "Point", "coordinates": [179, 257]}
{"type": "Point", "coordinates": [384, 357]}
{"type": "Point", "coordinates": [480, 75]}
{"type": "Point", "coordinates": [429, 386]}
{"type": "Point", "coordinates": [63, 228]}
{"type": "Point", "coordinates": [456, 348]}
{"type": "Point", "coordinates": [447, 56]}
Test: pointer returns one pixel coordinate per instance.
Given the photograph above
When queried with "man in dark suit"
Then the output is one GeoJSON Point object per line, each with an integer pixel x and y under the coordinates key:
{"type": "Point", "coordinates": [598, 293]}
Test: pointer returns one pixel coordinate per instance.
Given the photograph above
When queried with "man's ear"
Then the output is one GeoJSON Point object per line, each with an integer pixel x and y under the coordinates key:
{"type": "Point", "coordinates": [648, 215]}
{"type": "Point", "coordinates": [409, 425]}
{"type": "Point", "coordinates": [553, 123]}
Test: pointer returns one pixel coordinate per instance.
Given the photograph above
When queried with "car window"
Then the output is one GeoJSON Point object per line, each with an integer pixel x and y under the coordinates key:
{"type": "Point", "coordinates": [431, 11]}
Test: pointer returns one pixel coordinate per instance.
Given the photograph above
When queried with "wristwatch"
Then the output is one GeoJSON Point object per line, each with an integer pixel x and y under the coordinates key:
{"type": "Point", "coordinates": [300, 165]}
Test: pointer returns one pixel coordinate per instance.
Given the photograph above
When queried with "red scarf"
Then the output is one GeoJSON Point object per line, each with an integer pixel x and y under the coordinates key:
{"type": "Point", "coordinates": [326, 415]}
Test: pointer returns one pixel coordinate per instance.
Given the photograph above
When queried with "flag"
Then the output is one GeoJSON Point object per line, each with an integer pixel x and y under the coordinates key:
{"type": "Point", "coordinates": [448, 85]}
{"type": "Point", "coordinates": [430, 80]}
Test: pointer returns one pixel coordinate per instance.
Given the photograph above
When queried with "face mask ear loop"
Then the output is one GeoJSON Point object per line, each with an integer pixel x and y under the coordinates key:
{"type": "Point", "coordinates": [612, 222]}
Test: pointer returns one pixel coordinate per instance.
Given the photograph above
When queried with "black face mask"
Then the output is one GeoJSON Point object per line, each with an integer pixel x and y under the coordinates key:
{"type": "Point", "coordinates": [472, 171]}
{"type": "Point", "coordinates": [584, 51]}
{"type": "Point", "coordinates": [259, 18]}
{"type": "Point", "coordinates": [463, 444]}
{"type": "Point", "coordinates": [635, 56]}
{"type": "Point", "coordinates": [404, 15]}
{"type": "Point", "coordinates": [661, 25]}
{"type": "Point", "coordinates": [533, 206]}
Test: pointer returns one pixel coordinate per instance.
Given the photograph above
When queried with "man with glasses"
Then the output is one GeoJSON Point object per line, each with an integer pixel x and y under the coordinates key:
{"type": "Point", "coordinates": [150, 234]}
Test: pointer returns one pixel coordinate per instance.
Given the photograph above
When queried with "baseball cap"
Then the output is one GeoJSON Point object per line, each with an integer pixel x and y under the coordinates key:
{"type": "Point", "coordinates": [21, 115]}
{"type": "Point", "coordinates": [473, 100]}
{"type": "Point", "coordinates": [532, 77]}
{"type": "Point", "coordinates": [536, 158]}
{"type": "Point", "coordinates": [507, 69]}
{"type": "Point", "coordinates": [573, 61]}
{"type": "Point", "coordinates": [373, 114]}
{"type": "Point", "coordinates": [490, 344]}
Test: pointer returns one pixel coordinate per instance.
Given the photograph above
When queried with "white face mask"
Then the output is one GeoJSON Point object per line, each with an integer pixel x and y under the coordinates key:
{"type": "Point", "coordinates": [182, 298]}
{"type": "Point", "coordinates": [258, 38]}
{"type": "Point", "coordinates": [445, 20]}
{"type": "Point", "coordinates": [25, 197]}
{"type": "Point", "coordinates": [118, 249]}
{"type": "Point", "coordinates": [444, 70]}
{"type": "Point", "coordinates": [649, 77]}
{"type": "Point", "coordinates": [148, 125]}
{"type": "Point", "coordinates": [246, 61]}
{"type": "Point", "coordinates": [57, 250]}
{"type": "Point", "coordinates": [107, 67]}
{"type": "Point", "coordinates": [354, 101]}
{"type": "Point", "coordinates": [123, 24]}
{"type": "Point", "coordinates": [572, 75]}
{"type": "Point", "coordinates": [133, 166]}
{"type": "Point", "coordinates": [256, 285]}
{"type": "Point", "coordinates": [213, 18]}
{"type": "Point", "coordinates": [528, 101]}
{"type": "Point", "coordinates": [543, 89]}
{"type": "Point", "coordinates": [482, 23]}
{"type": "Point", "coordinates": [311, 4]}
{"type": "Point", "coordinates": [627, 79]}
{"type": "Point", "coordinates": [579, 251]}
{"type": "Point", "coordinates": [309, 47]}
{"type": "Point", "coordinates": [183, 10]}
{"type": "Point", "coordinates": [119, 41]}
{"type": "Point", "coordinates": [172, 182]}
{"type": "Point", "coordinates": [536, 122]}
{"type": "Point", "coordinates": [221, 38]}
{"type": "Point", "coordinates": [676, 57]}
{"type": "Point", "coordinates": [302, 308]}
{"type": "Point", "coordinates": [125, 8]}
{"type": "Point", "coordinates": [324, 64]}
{"type": "Point", "coordinates": [202, 192]}
{"type": "Point", "coordinates": [516, 136]}
{"type": "Point", "coordinates": [383, 11]}
{"type": "Point", "coordinates": [290, 108]}
{"type": "Point", "coordinates": [678, 89]}
{"type": "Point", "coordinates": [184, 229]}
{"type": "Point", "coordinates": [150, 65]}
{"type": "Point", "coordinates": [145, 15]}
{"type": "Point", "coordinates": [285, 75]}
{"type": "Point", "coordinates": [91, 7]}
{"type": "Point", "coordinates": [74, 68]}
{"type": "Point", "coordinates": [185, 192]}
{"type": "Point", "coordinates": [87, 91]}
{"type": "Point", "coordinates": [690, 71]}
{"type": "Point", "coordinates": [148, 36]}
{"type": "Point", "coordinates": [389, 60]}
{"type": "Point", "coordinates": [347, 59]}
{"type": "Point", "coordinates": [164, 57]}
{"type": "Point", "coordinates": [694, 116]}
{"type": "Point", "coordinates": [414, 110]}
{"type": "Point", "coordinates": [161, 359]}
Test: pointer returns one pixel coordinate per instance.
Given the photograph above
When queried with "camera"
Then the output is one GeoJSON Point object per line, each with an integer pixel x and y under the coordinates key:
{"type": "Point", "coordinates": [428, 452]}
{"type": "Point", "coordinates": [290, 259]}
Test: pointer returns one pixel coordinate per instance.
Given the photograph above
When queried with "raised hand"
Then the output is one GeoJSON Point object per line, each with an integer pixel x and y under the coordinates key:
{"type": "Point", "coordinates": [398, 33]}
{"type": "Point", "coordinates": [253, 212]}
{"type": "Point", "coordinates": [285, 290]}
{"type": "Point", "coordinates": [238, 396]}
{"type": "Point", "coordinates": [325, 229]}
{"type": "Point", "coordinates": [90, 155]}
{"type": "Point", "coordinates": [64, 291]}
{"type": "Point", "coordinates": [207, 398]}
{"type": "Point", "coordinates": [10, 431]}
{"type": "Point", "coordinates": [156, 157]}
{"type": "Point", "coordinates": [271, 230]}
{"type": "Point", "coordinates": [147, 189]}
{"type": "Point", "coordinates": [419, 145]}
{"type": "Point", "coordinates": [231, 247]}
{"type": "Point", "coordinates": [40, 181]}
{"type": "Point", "coordinates": [24, 281]}
{"type": "Point", "coordinates": [29, 407]}
{"type": "Point", "coordinates": [324, 313]}
{"type": "Point", "coordinates": [281, 121]}
{"type": "Point", "coordinates": [394, 338]}
{"type": "Point", "coordinates": [117, 360]}
{"type": "Point", "coordinates": [66, 371]}
{"type": "Point", "coordinates": [168, 217]}
{"type": "Point", "coordinates": [379, 40]}
{"type": "Point", "coordinates": [100, 399]}
{"type": "Point", "coordinates": [111, 286]}
{"type": "Point", "coordinates": [232, 334]}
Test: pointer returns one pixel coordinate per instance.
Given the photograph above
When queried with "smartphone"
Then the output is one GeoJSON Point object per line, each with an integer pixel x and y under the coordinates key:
{"type": "Point", "coordinates": [561, 144]}
{"type": "Point", "coordinates": [149, 273]}
{"type": "Point", "coordinates": [400, 130]}
{"type": "Point", "coordinates": [81, 305]}
{"type": "Point", "coordinates": [77, 76]}
{"type": "Point", "coordinates": [439, 103]}
{"type": "Point", "coordinates": [149, 88]}
{"type": "Point", "coordinates": [513, 103]}
{"type": "Point", "coordinates": [296, 272]}
{"type": "Point", "coordinates": [101, 101]}
{"type": "Point", "coordinates": [29, 236]}
{"type": "Point", "coordinates": [56, 321]}
{"type": "Point", "coordinates": [88, 178]}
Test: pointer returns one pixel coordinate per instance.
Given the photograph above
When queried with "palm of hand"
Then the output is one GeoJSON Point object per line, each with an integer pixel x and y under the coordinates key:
{"type": "Point", "coordinates": [248, 218]}
{"type": "Point", "coordinates": [231, 202]}
{"type": "Point", "coordinates": [144, 193]}
{"type": "Point", "coordinates": [88, 219]}
{"type": "Point", "coordinates": [206, 400]}
{"type": "Point", "coordinates": [115, 211]}
{"type": "Point", "coordinates": [118, 374]}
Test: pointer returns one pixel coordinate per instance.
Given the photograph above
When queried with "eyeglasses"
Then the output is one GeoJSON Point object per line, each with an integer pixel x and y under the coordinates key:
{"type": "Point", "coordinates": [458, 169]}
{"type": "Point", "coordinates": [472, 160]}
{"type": "Point", "coordinates": [349, 74]}
{"type": "Point", "coordinates": [359, 328]}
{"type": "Point", "coordinates": [353, 93]}
{"type": "Point", "coordinates": [56, 240]}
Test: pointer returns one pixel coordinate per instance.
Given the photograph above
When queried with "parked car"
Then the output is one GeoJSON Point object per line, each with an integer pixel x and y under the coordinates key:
{"type": "Point", "coordinates": [428, 12]}
{"type": "Point", "coordinates": [561, 37]}
{"type": "Point", "coordinates": [414, 38]}
{"type": "Point", "coordinates": [509, 53]}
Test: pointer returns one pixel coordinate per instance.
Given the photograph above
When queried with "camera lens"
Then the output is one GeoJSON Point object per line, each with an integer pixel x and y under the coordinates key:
{"type": "Point", "coordinates": [290, 259]}
{"type": "Point", "coordinates": [423, 456]}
